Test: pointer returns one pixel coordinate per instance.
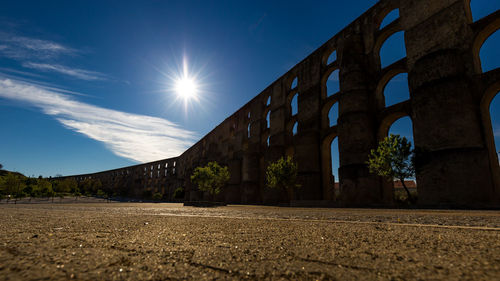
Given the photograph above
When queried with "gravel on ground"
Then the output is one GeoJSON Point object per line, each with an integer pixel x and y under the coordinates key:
{"type": "Point", "coordinates": [147, 241]}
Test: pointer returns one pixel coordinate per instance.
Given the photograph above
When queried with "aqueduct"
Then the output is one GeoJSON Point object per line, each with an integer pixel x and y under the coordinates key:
{"type": "Point", "coordinates": [448, 106]}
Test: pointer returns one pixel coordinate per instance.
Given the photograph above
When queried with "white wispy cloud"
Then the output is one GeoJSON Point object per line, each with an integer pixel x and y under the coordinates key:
{"type": "Point", "coordinates": [73, 72]}
{"type": "Point", "coordinates": [26, 50]}
{"type": "Point", "coordinates": [22, 48]}
{"type": "Point", "coordinates": [137, 137]}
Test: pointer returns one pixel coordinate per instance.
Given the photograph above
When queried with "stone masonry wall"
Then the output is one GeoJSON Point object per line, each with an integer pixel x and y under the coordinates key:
{"type": "Point", "coordinates": [448, 106]}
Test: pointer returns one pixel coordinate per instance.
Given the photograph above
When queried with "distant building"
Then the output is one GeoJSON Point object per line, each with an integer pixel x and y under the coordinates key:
{"type": "Point", "coordinates": [410, 184]}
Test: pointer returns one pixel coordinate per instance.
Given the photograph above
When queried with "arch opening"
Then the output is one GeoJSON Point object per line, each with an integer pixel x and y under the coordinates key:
{"type": "Point", "coordinates": [268, 102]}
{"type": "Point", "coordinates": [335, 162]}
{"type": "Point", "coordinates": [495, 123]}
{"type": "Point", "coordinates": [294, 83]}
{"type": "Point", "coordinates": [268, 119]}
{"type": "Point", "coordinates": [248, 131]}
{"type": "Point", "coordinates": [396, 90]}
{"type": "Point", "coordinates": [393, 49]}
{"type": "Point", "coordinates": [404, 127]}
{"type": "Point", "coordinates": [295, 128]}
{"type": "Point", "coordinates": [332, 57]}
{"type": "Point", "coordinates": [333, 83]}
{"type": "Point", "coordinates": [330, 166]}
{"type": "Point", "coordinates": [488, 53]}
{"type": "Point", "coordinates": [389, 18]}
{"type": "Point", "coordinates": [294, 104]}
{"type": "Point", "coordinates": [482, 8]}
{"type": "Point", "coordinates": [333, 115]}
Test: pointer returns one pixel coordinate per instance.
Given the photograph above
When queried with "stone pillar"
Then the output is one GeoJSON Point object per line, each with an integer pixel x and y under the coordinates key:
{"type": "Point", "coordinates": [308, 141]}
{"type": "Point", "coordinates": [250, 178]}
{"type": "Point", "coordinates": [357, 129]}
{"type": "Point", "coordinates": [453, 167]}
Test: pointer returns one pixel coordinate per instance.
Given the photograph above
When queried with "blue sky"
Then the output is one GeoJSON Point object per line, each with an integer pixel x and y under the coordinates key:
{"type": "Point", "coordinates": [88, 85]}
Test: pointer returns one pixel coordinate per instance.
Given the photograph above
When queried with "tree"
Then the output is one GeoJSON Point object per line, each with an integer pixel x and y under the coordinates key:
{"type": "Point", "coordinates": [45, 188]}
{"type": "Point", "coordinates": [67, 185]}
{"type": "Point", "coordinates": [13, 185]}
{"type": "Point", "coordinates": [393, 158]}
{"type": "Point", "coordinates": [282, 174]}
{"type": "Point", "coordinates": [211, 178]}
{"type": "Point", "coordinates": [101, 193]}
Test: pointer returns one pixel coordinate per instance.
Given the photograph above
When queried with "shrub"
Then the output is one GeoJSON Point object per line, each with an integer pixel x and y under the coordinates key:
{"type": "Point", "coordinates": [179, 193]}
{"type": "Point", "coordinates": [101, 193]}
{"type": "Point", "coordinates": [157, 196]}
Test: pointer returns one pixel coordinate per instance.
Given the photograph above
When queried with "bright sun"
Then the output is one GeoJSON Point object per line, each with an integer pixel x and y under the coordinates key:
{"type": "Point", "coordinates": [186, 88]}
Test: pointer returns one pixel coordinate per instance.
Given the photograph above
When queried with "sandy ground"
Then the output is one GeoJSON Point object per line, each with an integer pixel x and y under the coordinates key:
{"type": "Point", "coordinates": [146, 241]}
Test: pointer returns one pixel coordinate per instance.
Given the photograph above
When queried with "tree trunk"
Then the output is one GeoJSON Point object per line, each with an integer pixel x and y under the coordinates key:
{"type": "Point", "coordinates": [410, 198]}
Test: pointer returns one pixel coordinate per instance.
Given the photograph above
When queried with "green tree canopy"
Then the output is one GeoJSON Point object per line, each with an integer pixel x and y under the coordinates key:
{"type": "Point", "coordinates": [12, 184]}
{"type": "Point", "coordinates": [211, 178]}
{"type": "Point", "coordinates": [67, 185]}
{"type": "Point", "coordinates": [45, 187]}
{"type": "Point", "coordinates": [393, 158]}
{"type": "Point", "coordinates": [282, 174]}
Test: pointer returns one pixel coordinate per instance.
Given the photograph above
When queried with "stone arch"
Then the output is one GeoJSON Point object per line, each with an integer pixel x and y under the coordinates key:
{"type": "Point", "coordinates": [480, 39]}
{"type": "Point", "coordinates": [266, 139]}
{"type": "Point", "coordinates": [388, 121]}
{"type": "Point", "coordinates": [294, 104]}
{"type": "Point", "coordinates": [324, 80]}
{"type": "Point", "coordinates": [330, 82]}
{"type": "Point", "coordinates": [386, 78]}
{"type": "Point", "coordinates": [404, 132]}
{"type": "Point", "coordinates": [294, 83]}
{"type": "Point", "coordinates": [383, 14]}
{"type": "Point", "coordinates": [394, 37]}
{"type": "Point", "coordinates": [326, 161]}
{"type": "Point", "coordinates": [396, 90]}
{"type": "Point", "coordinates": [489, 95]}
{"type": "Point", "coordinates": [333, 115]}
{"type": "Point", "coordinates": [329, 57]}
{"type": "Point", "coordinates": [488, 53]}
{"type": "Point", "coordinates": [325, 122]}
{"type": "Point", "coordinates": [384, 35]}
{"type": "Point", "coordinates": [267, 117]}
{"type": "Point", "coordinates": [295, 128]}
{"type": "Point", "coordinates": [387, 124]}
{"type": "Point", "coordinates": [390, 17]}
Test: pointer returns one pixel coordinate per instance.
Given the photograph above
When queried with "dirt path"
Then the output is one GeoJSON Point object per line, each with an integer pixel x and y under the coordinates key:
{"type": "Point", "coordinates": [121, 241]}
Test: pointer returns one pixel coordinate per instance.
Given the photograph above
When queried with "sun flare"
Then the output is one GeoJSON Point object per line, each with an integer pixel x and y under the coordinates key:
{"type": "Point", "coordinates": [186, 88]}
